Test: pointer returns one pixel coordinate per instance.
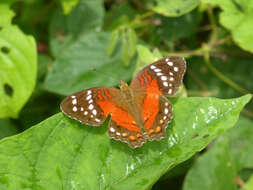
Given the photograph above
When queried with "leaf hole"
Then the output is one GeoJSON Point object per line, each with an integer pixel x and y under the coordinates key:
{"type": "Point", "coordinates": [5, 50]}
{"type": "Point", "coordinates": [205, 136]}
{"type": "Point", "coordinates": [8, 90]}
{"type": "Point", "coordinates": [178, 11]}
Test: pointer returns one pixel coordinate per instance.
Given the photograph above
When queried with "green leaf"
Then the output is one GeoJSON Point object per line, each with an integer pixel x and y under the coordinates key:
{"type": "Point", "coordinates": [132, 41]}
{"type": "Point", "coordinates": [7, 128]}
{"type": "Point", "coordinates": [68, 5]}
{"type": "Point", "coordinates": [61, 153]}
{"type": "Point", "coordinates": [173, 8]}
{"type": "Point", "coordinates": [240, 143]}
{"type": "Point", "coordinates": [113, 42]}
{"type": "Point", "coordinates": [220, 165]}
{"type": "Point", "coordinates": [125, 51]}
{"type": "Point", "coordinates": [237, 18]}
{"type": "Point", "coordinates": [249, 184]}
{"type": "Point", "coordinates": [17, 70]}
{"type": "Point", "coordinates": [72, 70]}
{"type": "Point", "coordinates": [64, 30]}
{"type": "Point", "coordinates": [6, 15]}
{"type": "Point", "coordinates": [215, 170]}
{"type": "Point", "coordinates": [145, 57]}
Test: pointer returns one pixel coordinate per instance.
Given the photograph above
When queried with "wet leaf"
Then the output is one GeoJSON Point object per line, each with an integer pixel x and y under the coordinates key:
{"type": "Point", "coordinates": [60, 153]}
{"type": "Point", "coordinates": [173, 8]}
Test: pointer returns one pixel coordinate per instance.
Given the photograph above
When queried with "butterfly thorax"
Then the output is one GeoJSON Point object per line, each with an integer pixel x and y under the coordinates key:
{"type": "Point", "coordinates": [129, 96]}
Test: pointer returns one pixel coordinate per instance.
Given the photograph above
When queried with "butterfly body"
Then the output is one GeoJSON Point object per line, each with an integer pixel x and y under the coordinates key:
{"type": "Point", "coordinates": [139, 111]}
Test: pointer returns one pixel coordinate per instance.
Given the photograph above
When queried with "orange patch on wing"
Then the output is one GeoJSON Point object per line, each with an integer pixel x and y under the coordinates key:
{"type": "Point", "coordinates": [119, 116]}
{"type": "Point", "coordinates": [142, 81]}
{"type": "Point", "coordinates": [107, 93]}
{"type": "Point", "coordinates": [100, 97]}
{"type": "Point", "coordinates": [148, 76]}
{"type": "Point", "coordinates": [150, 107]}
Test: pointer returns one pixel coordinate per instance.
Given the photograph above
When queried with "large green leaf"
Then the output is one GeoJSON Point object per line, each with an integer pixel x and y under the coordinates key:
{"type": "Point", "coordinates": [72, 71]}
{"type": "Point", "coordinates": [17, 66]}
{"type": "Point", "coordinates": [65, 29]}
{"type": "Point", "coordinates": [237, 17]}
{"type": "Point", "coordinates": [61, 153]}
{"type": "Point", "coordinates": [221, 164]}
{"type": "Point", "coordinates": [174, 8]}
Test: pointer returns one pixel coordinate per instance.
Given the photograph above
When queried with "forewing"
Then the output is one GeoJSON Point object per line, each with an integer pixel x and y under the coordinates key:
{"type": "Point", "coordinates": [164, 75]}
{"type": "Point", "coordinates": [84, 105]}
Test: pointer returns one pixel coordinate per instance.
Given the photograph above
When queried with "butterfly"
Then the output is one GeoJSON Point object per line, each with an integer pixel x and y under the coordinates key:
{"type": "Point", "coordinates": [140, 111]}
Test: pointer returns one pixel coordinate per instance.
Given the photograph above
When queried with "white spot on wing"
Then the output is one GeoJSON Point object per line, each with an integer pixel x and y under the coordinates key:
{"type": "Point", "coordinates": [118, 133]}
{"type": "Point", "coordinates": [82, 109]}
{"type": "Point", "coordinates": [90, 101]}
{"type": "Point", "coordinates": [166, 110]}
{"type": "Point", "coordinates": [166, 59]}
{"type": "Point", "coordinates": [170, 91]}
{"type": "Point", "coordinates": [88, 97]}
{"type": "Point", "coordinates": [85, 113]}
{"type": "Point", "coordinates": [88, 92]}
{"type": "Point", "coordinates": [94, 112]}
{"type": "Point", "coordinates": [91, 107]}
{"type": "Point", "coordinates": [176, 69]}
{"type": "Point", "coordinates": [170, 63]}
{"type": "Point", "coordinates": [163, 77]}
{"type": "Point", "coordinates": [152, 67]}
{"type": "Point", "coordinates": [112, 130]}
{"type": "Point", "coordinates": [98, 120]}
{"type": "Point", "coordinates": [171, 78]}
{"type": "Point", "coordinates": [159, 74]}
{"type": "Point", "coordinates": [74, 108]}
{"type": "Point", "coordinates": [74, 101]}
{"type": "Point", "coordinates": [157, 70]}
{"type": "Point", "coordinates": [165, 84]}
{"type": "Point", "coordinates": [73, 96]}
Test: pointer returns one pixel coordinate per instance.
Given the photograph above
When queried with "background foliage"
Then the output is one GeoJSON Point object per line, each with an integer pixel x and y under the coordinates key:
{"type": "Point", "coordinates": [50, 49]}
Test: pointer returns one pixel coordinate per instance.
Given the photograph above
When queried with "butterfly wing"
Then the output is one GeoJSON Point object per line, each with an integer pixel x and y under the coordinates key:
{"type": "Point", "coordinates": [156, 113]}
{"type": "Point", "coordinates": [164, 76]}
{"type": "Point", "coordinates": [92, 106]}
{"type": "Point", "coordinates": [83, 106]}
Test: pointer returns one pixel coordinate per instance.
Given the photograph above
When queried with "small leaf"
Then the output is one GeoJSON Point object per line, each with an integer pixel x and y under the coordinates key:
{"type": "Point", "coordinates": [18, 66]}
{"type": "Point", "coordinates": [132, 40]}
{"type": "Point", "coordinates": [173, 8]}
{"type": "Point", "coordinates": [112, 42]}
{"type": "Point", "coordinates": [68, 5]}
{"type": "Point", "coordinates": [6, 15]}
{"type": "Point", "coordinates": [125, 51]}
{"type": "Point", "coordinates": [60, 153]}
{"type": "Point", "coordinates": [145, 57]}
{"type": "Point", "coordinates": [237, 17]}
